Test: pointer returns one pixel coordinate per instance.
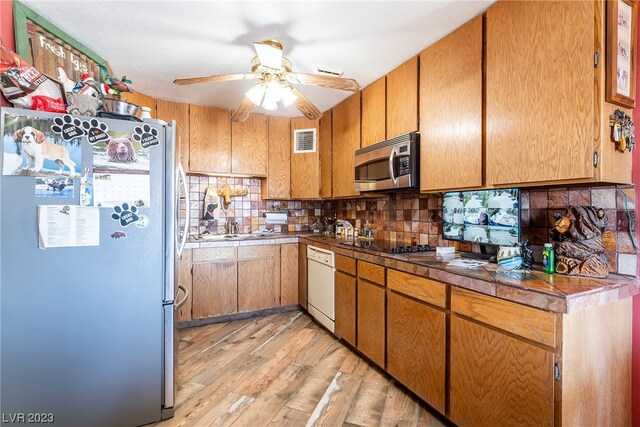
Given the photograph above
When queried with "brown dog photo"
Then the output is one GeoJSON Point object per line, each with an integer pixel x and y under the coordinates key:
{"type": "Point", "coordinates": [31, 148]}
{"type": "Point", "coordinates": [120, 154]}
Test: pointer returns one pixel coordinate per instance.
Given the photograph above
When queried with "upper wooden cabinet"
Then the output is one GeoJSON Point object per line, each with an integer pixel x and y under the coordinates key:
{"type": "Point", "coordinates": [326, 145]}
{"type": "Point", "coordinates": [402, 99]}
{"type": "Point", "coordinates": [249, 146]}
{"type": "Point", "coordinates": [540, 92]}
{"type": "Point", "coordinates": [451, 110]}
{"type": "Point", "coordinates": [346, 140]}
{"type": "Point", "coordinates": [278, 182]}
{"type": "Point", "coordinates": [167, 111]}
{"type": "Point", "coordinates": [210, 140]}
{"type": "Point", "coordinates": [305, 167]}
{"type": "Point", "coordinates": [374, 112]}
{"type": "Point", "coordinates": [141, 100]}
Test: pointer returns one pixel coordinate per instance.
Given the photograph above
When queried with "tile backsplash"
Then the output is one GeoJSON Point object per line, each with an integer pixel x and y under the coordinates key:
{"type": "Point", "coordinates": [416, 219]}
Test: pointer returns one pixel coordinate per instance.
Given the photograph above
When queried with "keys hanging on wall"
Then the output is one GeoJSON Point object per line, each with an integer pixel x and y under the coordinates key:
{"type": "Point", "coordinates": [622, 130]}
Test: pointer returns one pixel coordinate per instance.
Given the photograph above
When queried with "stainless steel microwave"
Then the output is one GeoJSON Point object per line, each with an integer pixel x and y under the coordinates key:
{"type": "Point", "coordinates": [389, 165]}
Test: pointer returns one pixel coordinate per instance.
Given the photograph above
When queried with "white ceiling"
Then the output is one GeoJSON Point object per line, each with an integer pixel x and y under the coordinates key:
{"type": "Point", "coordinates": [154, 42]}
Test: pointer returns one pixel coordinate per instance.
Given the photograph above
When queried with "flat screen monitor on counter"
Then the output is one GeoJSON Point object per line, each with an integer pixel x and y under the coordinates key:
{"type": "Point", "coordinates": [486, 217]}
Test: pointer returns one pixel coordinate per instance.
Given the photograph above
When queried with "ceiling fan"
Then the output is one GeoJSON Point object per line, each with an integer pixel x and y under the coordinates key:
{"type": "Point", "coordinates": [276, 83]}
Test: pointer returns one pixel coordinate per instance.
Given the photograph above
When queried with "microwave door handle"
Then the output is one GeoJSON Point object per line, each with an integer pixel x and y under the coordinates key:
{"type": "Point", "coordinates": [394, 153]}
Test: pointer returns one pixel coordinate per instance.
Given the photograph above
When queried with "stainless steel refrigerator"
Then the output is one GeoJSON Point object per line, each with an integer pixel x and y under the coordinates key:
{"type": "Point", "coordinates": [88, 332]}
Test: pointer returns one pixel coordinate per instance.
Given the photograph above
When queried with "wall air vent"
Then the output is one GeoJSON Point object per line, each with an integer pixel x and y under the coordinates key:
{"type": "Point", "coordinates": [304, 141]}
{"type": "Point", "coordinates": [329, 71]}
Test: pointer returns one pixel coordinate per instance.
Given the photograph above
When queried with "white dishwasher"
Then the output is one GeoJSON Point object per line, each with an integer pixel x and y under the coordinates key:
{"type": "Point", "coordinates": [320, 283]}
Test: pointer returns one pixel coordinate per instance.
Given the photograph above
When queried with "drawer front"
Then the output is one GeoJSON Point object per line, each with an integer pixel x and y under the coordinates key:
{"type": "Point", "coordinates": [346, 264]}
{"type": "Point", "coordinates": [257, 251]}
{"type": "Point", "coordinates": [528, 322]}
{"type": "Point", "coordinates": [214, 254]}
{"type": "Point", "coordinates": [371, 272]}
{"type": "Point", "coordinates": [426, 290]}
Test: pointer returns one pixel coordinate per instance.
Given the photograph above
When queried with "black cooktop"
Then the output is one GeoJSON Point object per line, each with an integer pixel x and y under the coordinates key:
{"type": "Point", "coordinates": [389, 247]}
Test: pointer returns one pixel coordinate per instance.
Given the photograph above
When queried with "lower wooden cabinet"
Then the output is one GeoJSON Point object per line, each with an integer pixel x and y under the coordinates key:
{"type": "Point", "coordinates": [371, 321]}
{"type": "Point", "coordinates": [416, 347]}
{"type": "Point", "coordinates": [214, 289]}
{"type": "Point", "coordinates": [302, 275]}
{"type": "Point", "coordinates": [258, 277]}
{"type": "Point", "coordinates": [345, 307]}
{"type": "Point", "coordinates": [289, 274]}
{"type": "Point", "coordinates": [185, 279]}
{"type": "Point", "coordinates": [496, 379]}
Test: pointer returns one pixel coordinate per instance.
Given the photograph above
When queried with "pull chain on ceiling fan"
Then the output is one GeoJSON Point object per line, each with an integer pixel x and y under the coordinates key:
{"type": "Point", "coordinates": [276, 83]}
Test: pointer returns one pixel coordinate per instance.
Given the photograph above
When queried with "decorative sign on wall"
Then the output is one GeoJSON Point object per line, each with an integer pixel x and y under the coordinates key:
{"type": "Point", "coordinates": [621, 52]}
{"type": "Point", "coordinates": [46, 47]}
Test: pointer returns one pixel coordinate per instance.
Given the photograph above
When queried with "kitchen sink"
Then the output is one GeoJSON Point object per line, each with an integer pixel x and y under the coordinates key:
{"type": "Point", "coordinates": [234, 236]}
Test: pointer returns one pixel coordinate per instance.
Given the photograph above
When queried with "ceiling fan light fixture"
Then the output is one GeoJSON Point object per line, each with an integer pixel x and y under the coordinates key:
{"type": "Point", "coordinates": [272, 95]}
{"type": "Point", "coordinates": [256, 93]}
{"type": "Point", "coordinates": [287, 96]}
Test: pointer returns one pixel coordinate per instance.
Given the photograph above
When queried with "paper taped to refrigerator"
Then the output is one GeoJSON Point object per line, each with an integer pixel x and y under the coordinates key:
{"type": "Point", "coordinates": [62, 226]}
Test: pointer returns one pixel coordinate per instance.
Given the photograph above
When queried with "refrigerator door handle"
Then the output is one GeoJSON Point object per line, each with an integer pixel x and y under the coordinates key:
{"type": "Point", "coordinates": [183, 239]}
{"type": "Point", "coordinates": [184, 299]}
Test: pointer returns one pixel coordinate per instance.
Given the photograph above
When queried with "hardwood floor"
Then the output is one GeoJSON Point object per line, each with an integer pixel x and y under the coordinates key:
{"type": "Point", "coordinates": [283, 370]}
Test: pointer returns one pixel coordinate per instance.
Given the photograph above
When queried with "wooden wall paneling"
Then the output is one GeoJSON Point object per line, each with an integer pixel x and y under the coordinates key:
{"type": "Point", "coordinates": [528, 322]}
{"type": "Point", "coordinates": [210, 140]}
{"type": "Point", "coordinates": [249, 146]}
{"type": "Point", "coordinates": [416, 348]}
{"type": "Point", "coordinates": [167, 111]}
{"type": "Point", "coordinates": [326, 146]}
{"type": "Point", "coordinates": [402, 99]}
{"type": "Point", "coordinates": [345, 307]}
{"type": "Point", "coordinates": [302, 275]}
{"type": "Point", "coordinates": [496, 379]}
{"type": "Point", "coordinates": [185, 279]}
{"type": "Point", "coordinates": [278, 182]}
{"type": "Point", "coordinates": [289, 274]}
{"type": "Point", "coordinates": [258, 277]}
{"type": "Point", "coordinates": [374, 115]}
{"type": "Point", "coordinates": [305, 167]}
{"type": "Point", "coordinates": [596, 366]}
{"type": "Point", "coordinates": [346, 140]}
{"type": "Point", "coordinates": [141, 100]}
{"type": "Point", "coordinates": [451, 110]}
{"type": "Point", "coordinates": [214, 289]}
{"type": "Point", "coordinates": [539, 106]}
{"type": "Point", "coordinates": [371, 321]}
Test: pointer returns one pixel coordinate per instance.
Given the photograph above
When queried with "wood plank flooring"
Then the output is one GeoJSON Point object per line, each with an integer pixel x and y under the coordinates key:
{"type": "Point", "coordinates": [283, 370]}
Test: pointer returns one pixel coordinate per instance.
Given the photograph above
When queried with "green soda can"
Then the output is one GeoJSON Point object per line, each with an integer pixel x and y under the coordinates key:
{"type": "Point", "coordinates": [548, 259]}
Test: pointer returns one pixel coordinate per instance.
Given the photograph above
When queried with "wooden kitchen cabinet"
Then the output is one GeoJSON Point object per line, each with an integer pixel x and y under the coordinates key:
{"type": "Point", "coordinates": [501, 362]}
{"type": "Point", "coordinates": [345, 298]}
{"type": "Point", "coordinates": [214, 282]}
{"type": "Point", "coordinates": [402, 99]}
{"type": "Point", "coordinates": [167, 111]}
{"type": "Point", "coordinates": [302, 275]}
{"type": "Point", "coordinates": [305, 167]}
{"type": "Point", "coordinates": [249, 146]}
{"type": "Point", "coordinates": [288, 274]}
{"type": "Point", "coordinates": [451, 110]}
{"type": "Point", "coordinates": [141, 100]}
{"type": "Point", "coordinates": [371, 312]}
{"type": "Point", "coordinates": [374, 110]}
{"type": "Point", "coordinates": [539, 105]}
{"type": "Point", "coordinates": [185, 279]}
{"type": "Point", "coordinates": [346, 140]}
{"type": "Point", "coordinates": [258, 277]}
{"type": "Point", "coordinates": [210, 140]}
{"type": "Point", "coordinates": [416, 335]}
{"type": "Point", "coordinates": [326, 147]}
{"type": "Point", "coordinates": [278, 182]}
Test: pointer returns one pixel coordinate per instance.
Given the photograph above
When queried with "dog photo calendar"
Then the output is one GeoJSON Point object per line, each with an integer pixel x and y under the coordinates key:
{"type": "Point", "coordinates": [33, 148]}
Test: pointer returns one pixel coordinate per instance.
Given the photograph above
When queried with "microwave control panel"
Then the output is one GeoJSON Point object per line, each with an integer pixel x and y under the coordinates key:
{"type": "Point", "coordinates": [403, 166]}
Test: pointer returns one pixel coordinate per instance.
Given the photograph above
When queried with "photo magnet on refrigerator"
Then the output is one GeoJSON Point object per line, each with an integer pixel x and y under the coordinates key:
{"type": "Point", "coordinates": [146, 136]}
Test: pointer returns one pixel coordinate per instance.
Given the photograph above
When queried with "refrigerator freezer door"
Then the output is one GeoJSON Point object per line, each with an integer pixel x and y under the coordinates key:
{"type": "Point", "coordinates": [82, 327]}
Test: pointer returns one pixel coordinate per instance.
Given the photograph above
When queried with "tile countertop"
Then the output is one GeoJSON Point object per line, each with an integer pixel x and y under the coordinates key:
{"type": "Point", "coordinates": [553, 292]}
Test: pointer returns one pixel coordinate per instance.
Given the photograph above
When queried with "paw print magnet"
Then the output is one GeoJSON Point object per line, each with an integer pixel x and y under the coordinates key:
{"type": "Point", "coordinates": [96, 131]}
{"type": "Point", "coordinates": [68, 127]}
{"type": "Point", "coordinates": [146, 136]}
{"type": "Point", "coordinates": [125, 214]}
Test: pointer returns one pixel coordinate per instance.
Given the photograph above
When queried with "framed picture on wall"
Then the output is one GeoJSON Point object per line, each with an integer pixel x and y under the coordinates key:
{"type": "Point", "coordinates": [622, 17]}
{"type": "Point", "coordinates": [46, 47]}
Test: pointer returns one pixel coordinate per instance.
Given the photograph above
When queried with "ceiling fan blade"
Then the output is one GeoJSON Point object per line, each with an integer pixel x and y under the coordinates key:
{"type": "Point", "coordinates": [216, 78]}
{"type": "Point", "coordinates": [269, 53]}
{"type": "Point", "coordinates": [305, 106]}
{"type": "Point", "coordinates": [242, 112]}
{"type": "Point", "coordinates": [324, 81]}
